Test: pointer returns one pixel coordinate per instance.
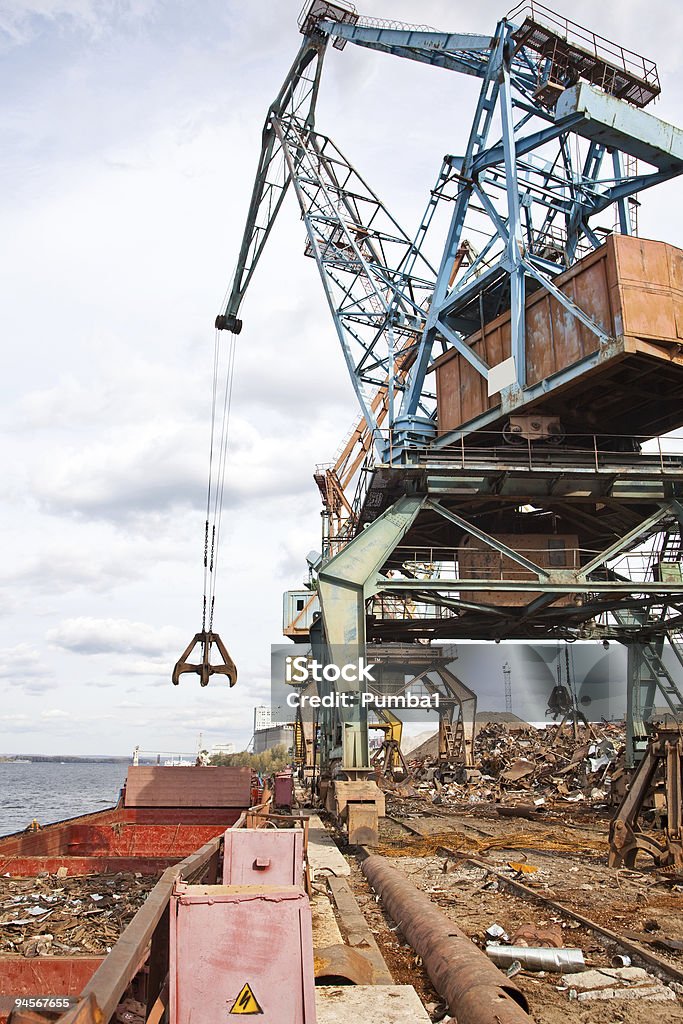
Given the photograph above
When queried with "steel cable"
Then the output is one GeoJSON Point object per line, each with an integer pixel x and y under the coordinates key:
{"type": "Point", "coordinates": [216, 476]}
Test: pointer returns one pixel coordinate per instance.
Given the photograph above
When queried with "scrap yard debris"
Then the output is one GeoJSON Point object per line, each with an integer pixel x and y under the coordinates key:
{"type": "Point", "coordinates": [529, 770]}
{"type": "Point", "coordinates": [53, 916]}
{"type": "Point", "coordinates": [549, 841]}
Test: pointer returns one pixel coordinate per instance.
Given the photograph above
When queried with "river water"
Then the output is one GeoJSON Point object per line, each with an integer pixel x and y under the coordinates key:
{"type": "Point", "coordinates": [51, 791]}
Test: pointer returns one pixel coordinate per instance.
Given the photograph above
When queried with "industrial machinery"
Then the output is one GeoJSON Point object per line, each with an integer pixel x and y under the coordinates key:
{"type": "Point", "coordinates": [506, 478]}
{"type": "Point", "coordinates": [563, 700]}
{"type": "Point", "coordinates": [628, 835]}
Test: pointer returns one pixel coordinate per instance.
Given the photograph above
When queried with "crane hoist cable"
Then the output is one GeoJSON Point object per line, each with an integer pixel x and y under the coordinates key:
{"type": "Point", "coordinates": [223, 371]}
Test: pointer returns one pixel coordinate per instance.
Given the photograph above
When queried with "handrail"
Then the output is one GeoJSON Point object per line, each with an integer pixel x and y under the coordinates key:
{"type": "Point", "coordinates": [577, 35]}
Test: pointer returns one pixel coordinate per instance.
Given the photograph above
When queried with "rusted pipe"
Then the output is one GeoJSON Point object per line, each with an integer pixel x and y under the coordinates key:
{"type": "Point", "coordinates": [475, 991]}
{"type": "Point", "coordinates": [537, 958]}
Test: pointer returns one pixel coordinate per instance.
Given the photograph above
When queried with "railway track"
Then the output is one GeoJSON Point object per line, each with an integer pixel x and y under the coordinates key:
{"type": "Point", "coordinates": [633, 949]}
{"type": "Point", "coordinates": [604, 912]}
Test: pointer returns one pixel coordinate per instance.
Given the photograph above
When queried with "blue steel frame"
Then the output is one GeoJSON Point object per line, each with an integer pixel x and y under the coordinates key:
{"type": "Point", "coordinates": [529, 183]}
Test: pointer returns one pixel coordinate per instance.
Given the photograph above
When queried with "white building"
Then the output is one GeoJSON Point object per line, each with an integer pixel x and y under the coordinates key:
{"type": "Point", "coordinates": [219, 749]}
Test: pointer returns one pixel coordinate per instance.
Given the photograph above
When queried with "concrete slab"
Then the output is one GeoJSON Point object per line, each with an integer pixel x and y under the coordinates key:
{"type": "Point", "coordinates": [356, 929]}
{"type": "Point", "coordinates": [609, 983]}
{"type": "Point", "coordinates": [323, 851]}
{"type": "Point", "coordinates": [325, 928]}
{"type": "Point", "coordinates": [607, 977]}
{"type": "Point", "coordinates": [373, 1004]}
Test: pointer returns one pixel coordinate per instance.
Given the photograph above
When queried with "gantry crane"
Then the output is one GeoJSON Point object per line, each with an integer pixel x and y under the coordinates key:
{"type": "Point", "coordinates": [510, 390]}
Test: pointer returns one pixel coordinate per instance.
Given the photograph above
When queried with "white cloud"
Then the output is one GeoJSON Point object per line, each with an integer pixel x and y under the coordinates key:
{"type": "Point", "coordinates": [23, 19]}
{"type": "Point", "coordinates": [22, 666]}
{"type": "Point", "coordinates": [131, 134]}
{"type": "Point", "coordinates": [110, 636]}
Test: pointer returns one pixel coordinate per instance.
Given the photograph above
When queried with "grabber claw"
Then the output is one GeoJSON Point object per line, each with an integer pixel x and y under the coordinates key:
{"type": "Point", "coordinates": [204, 668]}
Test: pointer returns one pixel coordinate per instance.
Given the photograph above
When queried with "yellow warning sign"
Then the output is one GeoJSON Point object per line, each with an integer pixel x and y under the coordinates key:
{"type": "Point", "coordinates": [246, 1002]}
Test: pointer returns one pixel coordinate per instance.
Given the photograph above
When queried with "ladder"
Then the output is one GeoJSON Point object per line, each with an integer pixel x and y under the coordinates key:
{"type": "Point", "coordinates": [454, 739]}
{"type": "Point", "coordinates": [664, 681]}
{"type": "Point", "coordinates": [647, 675]}
{"type": "Point", "coordinates": [299, 741]}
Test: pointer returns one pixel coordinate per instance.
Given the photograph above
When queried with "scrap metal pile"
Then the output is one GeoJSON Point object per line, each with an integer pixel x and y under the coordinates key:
{"type": "Point", "coordinates": [536, 768]}
{"type": "Point", "coordinates": [53, 916]}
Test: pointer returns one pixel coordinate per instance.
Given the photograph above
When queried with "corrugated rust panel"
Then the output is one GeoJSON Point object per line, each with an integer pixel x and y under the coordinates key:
{"type": "Point", "coordinates": [123, 839]}
{"type": "Point", "coordinates": [187, 787]}
{"type": "Point", "coordinates": [541, 358]}
{"type": "Point", "coordinates": [56, 975]}
{"type": "Point", "coordinates": [221, 816]}
{"type": "Point", "coordinates": [676, 278]}
{"type": "Point", "coordinates": [53, 838]}
{"type": "Point", "coordinates": [643, 287]}
{"type": "Point", "coordinates": [632, 288]}
{"type": "Point", "coordinates": [476, 560]}
{"type": "Point", "coordinates": [172, 832]}
{"type": "Point", "coordinates": [448, 392]}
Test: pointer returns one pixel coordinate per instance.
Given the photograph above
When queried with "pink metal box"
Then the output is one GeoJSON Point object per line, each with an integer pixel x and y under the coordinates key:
{"type": "Point", "coordinates": [241, 950]}
{"type": "Point", "coordinates": [284, 789]}
{"type": "Point", "coordinates": [263, 856]}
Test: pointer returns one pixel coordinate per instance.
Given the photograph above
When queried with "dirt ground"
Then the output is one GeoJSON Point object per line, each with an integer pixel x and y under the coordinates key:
{"type": "Point", "coordinates": [565, 861]}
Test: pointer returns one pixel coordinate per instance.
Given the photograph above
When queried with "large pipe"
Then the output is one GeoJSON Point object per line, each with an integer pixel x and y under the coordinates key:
{"type": "Point", "coordinates": [475, 991]}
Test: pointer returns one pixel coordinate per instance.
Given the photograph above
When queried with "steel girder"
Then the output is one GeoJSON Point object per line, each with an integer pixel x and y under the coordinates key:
{"type": "Point", "coordinates": [297, 98]}
{"type": "Point", "coordinates": [344, 585]}
{"type": "Point", "coordinates": [533, 185]}
{"type": "Point", "coordinates": [528, 187]}
{"type": "Point", "coordinates": [376, 281]}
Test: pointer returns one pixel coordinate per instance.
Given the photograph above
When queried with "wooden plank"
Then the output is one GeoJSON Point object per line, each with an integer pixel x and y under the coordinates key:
{"type": "Point", "coordinates": [159, 1008]}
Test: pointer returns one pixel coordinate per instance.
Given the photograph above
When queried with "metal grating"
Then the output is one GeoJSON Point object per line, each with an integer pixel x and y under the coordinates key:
{"type": "Point", "coordinates": [568, 52]}
{"type": "Point", "coordinates": [322, 10]}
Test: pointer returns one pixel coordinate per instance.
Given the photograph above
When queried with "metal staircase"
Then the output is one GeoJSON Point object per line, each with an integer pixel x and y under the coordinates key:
{"type": "Point", "coordinates": [648, 676]}
{"type": "Point", "coordinates": [664, 681]}
{"type": "Point", "coordinates": [299, 741]}
{"type": "Point", "coordinates": [453, 736]}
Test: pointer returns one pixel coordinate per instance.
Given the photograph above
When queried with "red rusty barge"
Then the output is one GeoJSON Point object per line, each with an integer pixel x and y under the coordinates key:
{"type": "Point", "coordinates": [163, 817]}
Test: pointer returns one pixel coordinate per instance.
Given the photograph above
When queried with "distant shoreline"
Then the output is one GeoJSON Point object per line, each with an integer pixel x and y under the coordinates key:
{"type": "Point", "coordinates": [66, 759]}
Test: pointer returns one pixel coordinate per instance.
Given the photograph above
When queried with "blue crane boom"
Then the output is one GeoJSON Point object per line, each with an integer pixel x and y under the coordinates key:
{"type": "Point", "coordinates": [555, 136]}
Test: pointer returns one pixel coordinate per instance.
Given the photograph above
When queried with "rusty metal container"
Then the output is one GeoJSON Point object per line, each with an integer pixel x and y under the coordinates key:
{"type": "Point", "coordinates": [632, 288]}
{"type": "Point", "coordinates": [284, 789]}
{"type": "Point", "coordinates": [190, 786]}
{"type": "Point", "coordinates": [476, 560]}
{"type": "Point", "coordinates": [261, 856]}
{"type": "Point", "coordinates": [241, 950]}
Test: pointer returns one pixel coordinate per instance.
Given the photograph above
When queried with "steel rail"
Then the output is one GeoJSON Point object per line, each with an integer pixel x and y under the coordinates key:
{"type": "Point", "coordinates": [633, 948]}
{"type": "Point", "coordinates": [526, 892]}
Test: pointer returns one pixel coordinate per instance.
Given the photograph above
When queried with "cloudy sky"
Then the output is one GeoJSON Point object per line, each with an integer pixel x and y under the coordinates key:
{"type": "Point", "coordinates": [130, 135]}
